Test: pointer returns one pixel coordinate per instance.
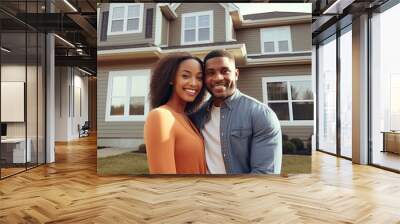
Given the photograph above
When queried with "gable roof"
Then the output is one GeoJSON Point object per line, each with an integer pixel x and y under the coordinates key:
{"type": "Point", "coordinates": [228, 6]}
{"type": "Point", "coordinates": [269, 19]}
{"type": "Point", "coordinates": [271, 15]}
{"type": "Point", "coordinates": [168, 11]}
{"type": "Point", "coordinates": [250, 20]}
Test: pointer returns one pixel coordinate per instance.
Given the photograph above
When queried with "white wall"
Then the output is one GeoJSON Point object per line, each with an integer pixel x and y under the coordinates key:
{"type": "Point", "coordinates": [14, 73]}
{"type": "Point", "coordinates": [33, 125]}
{"type": "Point", "coordinates": [61, 103]}
{"type": "Point", "coordinates": [80, 83]}
{"type": "Point", "coordinates": [68, 81]}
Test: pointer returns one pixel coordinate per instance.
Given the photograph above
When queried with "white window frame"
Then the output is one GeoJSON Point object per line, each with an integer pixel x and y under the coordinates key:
{"type": "Point", "coordinates": [197, 14]}
{"type": "Point", "coordinates": [130, 74]}
{"type": "Point", "coordinates": [286, 29]}
{"type": "Point", "coordinates": [288, 79]}
{"type": "Point", "coordinates": [125, 19]}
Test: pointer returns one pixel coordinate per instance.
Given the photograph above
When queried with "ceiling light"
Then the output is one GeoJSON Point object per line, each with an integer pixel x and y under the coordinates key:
{"type": "Point", "coordinates": [86, 72]}
{"type": "Point", "coordinates": [5, 50]}
{"type": "Point", "coordinates": [65, 41]}
{"type": "Point", "coordinates": [70, 5]}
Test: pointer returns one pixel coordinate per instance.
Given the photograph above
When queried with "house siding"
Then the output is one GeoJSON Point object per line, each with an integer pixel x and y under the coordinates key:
{"type": "Point", "coordinates": [116, 129]}
{"type": "Point", "coordinates": [250, 83]}
{"type": "Point", "coordinates": [133, 38]}
{"type": "Point", "coordinates": [251, 38]}
{"type": "Point", "coordinates": [233, 32]}
{"type": "Point", "coordinates": [301, 37]}
{"type": "Point", "coordinates": [218, 29]}
{"type": "Point", "coordinates": [164, 30]}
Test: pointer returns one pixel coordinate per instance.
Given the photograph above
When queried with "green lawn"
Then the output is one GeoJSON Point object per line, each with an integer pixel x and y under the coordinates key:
{"type": "Point", "coordinates": [296, 164]}
{"type": "Point", "coordinates": [126, 163]}
{"type": "Point", "coordinates": [136, 163]}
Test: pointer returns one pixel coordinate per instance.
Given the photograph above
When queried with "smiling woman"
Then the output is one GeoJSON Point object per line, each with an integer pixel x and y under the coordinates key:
{"type": "Point", "coordinates": [173, 144]}
{"type": "Point", "coordinates": [165, 74]}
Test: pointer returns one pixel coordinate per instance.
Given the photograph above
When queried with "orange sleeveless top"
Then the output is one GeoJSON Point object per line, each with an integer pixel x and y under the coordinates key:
{"type": "Point", "coordinates": [173, 144]}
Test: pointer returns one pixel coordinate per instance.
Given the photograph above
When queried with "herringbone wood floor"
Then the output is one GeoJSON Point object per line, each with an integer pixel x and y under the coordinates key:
{"type": "Point", "coordinates": [69, 191]}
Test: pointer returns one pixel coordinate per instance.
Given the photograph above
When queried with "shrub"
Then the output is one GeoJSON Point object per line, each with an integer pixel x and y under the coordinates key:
{"type": "Point", "coordinates": [285, 137]}
{"type": "Point", "coordinates": [288, 147]}
{"type": "Point", "coordinates": [142, 148]}
{"type": "Point", "coordinates": [298, 143]}
{"type": "Point", "coordinates": [309, 143]}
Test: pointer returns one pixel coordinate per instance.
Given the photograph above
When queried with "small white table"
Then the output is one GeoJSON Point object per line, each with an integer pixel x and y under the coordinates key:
{"type": "Point", "coordinates": [19, 149]}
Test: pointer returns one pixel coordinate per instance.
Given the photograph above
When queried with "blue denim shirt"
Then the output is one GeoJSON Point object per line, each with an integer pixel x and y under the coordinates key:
{"type": "Point", "coordinates": [250, 133]}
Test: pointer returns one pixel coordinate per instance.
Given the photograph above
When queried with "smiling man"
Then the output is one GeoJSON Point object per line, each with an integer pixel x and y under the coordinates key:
{"type": "Point", "coordinates": [241, 134]}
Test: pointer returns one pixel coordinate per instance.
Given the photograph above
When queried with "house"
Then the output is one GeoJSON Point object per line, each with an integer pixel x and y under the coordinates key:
{"type": "Point", "coordinates": [272, 51]}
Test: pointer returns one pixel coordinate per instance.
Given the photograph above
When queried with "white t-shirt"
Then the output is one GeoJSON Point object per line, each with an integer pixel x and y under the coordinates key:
{"type": "Point", "coordinates": [212, 141]}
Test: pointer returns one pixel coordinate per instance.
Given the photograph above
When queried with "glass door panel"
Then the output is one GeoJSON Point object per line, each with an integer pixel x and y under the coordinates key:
{"type": "Point", "coordinates": [346, 93]}
{"type": "Point", "coordinates": [327, 96]}
{"type": "Point", "coordinates": [385, 89]}
{"type": "Point", "coordinates": [31, 98]}
{"type": "Point", "coordinates": [14, 154]}
{"type": "Point", "coordinates": [41, 98]}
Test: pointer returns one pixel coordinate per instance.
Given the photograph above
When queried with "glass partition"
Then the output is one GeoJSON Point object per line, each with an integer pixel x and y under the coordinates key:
{"type": "Point", "coordinates": [385, 89]}
{"type": "Point", "coordinates": [41, 91]}
{"type": "Point", "coordinates": [346, 92]}
{"type": "Point", "coordinates": [31, 97]}
{"type": "Point", "coordinates": [13, 92]}
{"type": "Point", "coordinates": [22, 89]}
{"type": "Point", "coordinates": [327, 95]}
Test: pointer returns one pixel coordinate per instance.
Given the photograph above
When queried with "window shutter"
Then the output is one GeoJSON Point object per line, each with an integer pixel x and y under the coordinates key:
{"type": "Point", "coordinates": [104, 25]}
{"type": "Point", "coordinates": [149, 23]}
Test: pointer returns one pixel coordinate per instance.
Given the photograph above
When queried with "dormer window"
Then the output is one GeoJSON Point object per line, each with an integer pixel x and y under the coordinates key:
{"type": "Point", "coordinates": [125, 18]}
{"type": "Point", "coordinates": [197, 27]}
{"type": "Point", "coordinates": [276, 40]}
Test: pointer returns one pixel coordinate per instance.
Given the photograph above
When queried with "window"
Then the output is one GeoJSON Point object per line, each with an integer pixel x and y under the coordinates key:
{"type": "Point", "coordinates": [394, 102]}
{"type": "Point", "coordinates": [197, 27]}
{"type": "Point", "coordinates": [127, 95]}
{"type": "Point", "coordinates": [291, 98]}
{"type": "Point", "coordinates": [345, 93]}
{"type": "Point", "coordinates": [327, 96]}
{"type": "Point", "coordinates": [384, 86]}
{"type": "Point", "coordinates": [125, 18]}
{"type": "Point", "coordinates": [276, 40]}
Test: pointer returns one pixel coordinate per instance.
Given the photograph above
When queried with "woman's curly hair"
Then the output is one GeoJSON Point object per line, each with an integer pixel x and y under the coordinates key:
{"type": "Point", "coordinates": [163, 73]}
